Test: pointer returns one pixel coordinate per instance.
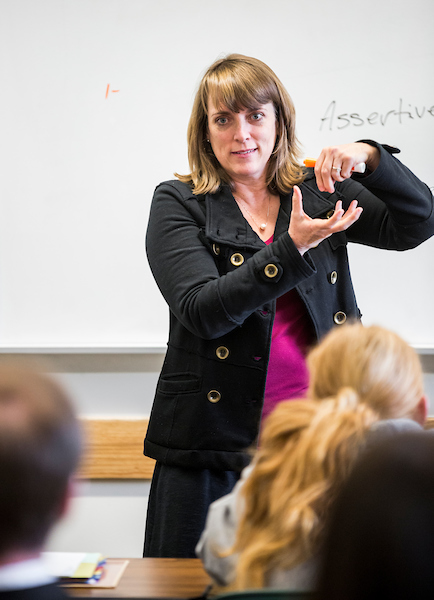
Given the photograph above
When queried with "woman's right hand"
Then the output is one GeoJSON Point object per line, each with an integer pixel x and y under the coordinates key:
{"type": "Point", "coordinates": [307, 233]}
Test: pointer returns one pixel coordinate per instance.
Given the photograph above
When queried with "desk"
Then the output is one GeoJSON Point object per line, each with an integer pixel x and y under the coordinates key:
{"type": "Point", "coordinates": [154, 578]}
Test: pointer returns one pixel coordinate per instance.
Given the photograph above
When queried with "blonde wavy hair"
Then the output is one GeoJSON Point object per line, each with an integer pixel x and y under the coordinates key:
{"type": "Point", "coordinates": [307, 450]}
{"type": "Point", "coordinates": [358, 375]}
{"type": "Point", "coordinates": [242, 82]}
{"type": "Point", "coordinates": [377, 363]}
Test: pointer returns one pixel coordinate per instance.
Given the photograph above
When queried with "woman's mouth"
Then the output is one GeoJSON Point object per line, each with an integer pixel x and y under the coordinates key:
{"type": "Point", "coordinates": [245, 152]}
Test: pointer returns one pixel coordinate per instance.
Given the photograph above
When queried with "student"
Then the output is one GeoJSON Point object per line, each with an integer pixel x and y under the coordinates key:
{"type": "Point", "coordinates": [380, 541]}
{"type": "Point", "coordinates": [376, 369]}
{"type": "Point", "coordinates": [39, 450]}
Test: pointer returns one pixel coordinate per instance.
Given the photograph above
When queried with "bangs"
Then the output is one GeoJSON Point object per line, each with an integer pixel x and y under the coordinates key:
{"type": "Point", "coordinates": [239, 87]}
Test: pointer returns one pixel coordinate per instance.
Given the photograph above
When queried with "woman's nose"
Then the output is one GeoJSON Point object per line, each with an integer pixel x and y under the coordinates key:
{"type": "Point", "coordinates": [242, 132]}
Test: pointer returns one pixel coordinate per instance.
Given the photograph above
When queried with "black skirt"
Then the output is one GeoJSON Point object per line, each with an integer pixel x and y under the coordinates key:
{"type": "Point", "coordinates": [177, 508]}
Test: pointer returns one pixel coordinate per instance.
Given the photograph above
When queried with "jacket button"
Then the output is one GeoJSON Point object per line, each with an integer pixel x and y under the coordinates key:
{"type": "Point", "coordinates": [213, 396]}
{"type": "Point", "coordinates": [222, 352]}
{"type": "Point", "coordinates": [216, 249]}
{"type": "Point", "coordinates": [237, 259]}
{"type": "Point", "coordinates": [333, 277]}
{"type": "Point", "coordinates": [340, 317]}
{"type": "Point", "coordinates": [271, 271]}
{"type": "Point", "coordinates": [330, 213]}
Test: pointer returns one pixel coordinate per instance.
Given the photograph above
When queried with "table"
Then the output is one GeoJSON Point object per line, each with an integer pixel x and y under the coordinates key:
{"type": "Point", "coordinates": [154, 578]}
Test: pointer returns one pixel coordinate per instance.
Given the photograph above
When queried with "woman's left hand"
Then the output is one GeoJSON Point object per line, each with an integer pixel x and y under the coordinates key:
{"type": "Point", "coordinates": [335, 163]}
{"type": "Point", "coordinates": [306, 233]}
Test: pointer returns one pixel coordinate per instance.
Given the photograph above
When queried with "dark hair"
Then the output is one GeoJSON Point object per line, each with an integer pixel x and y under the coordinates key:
{"type": "Point", "coordinates": [39, 450]}
{"type": "Point", "coordinates": [380, 539]}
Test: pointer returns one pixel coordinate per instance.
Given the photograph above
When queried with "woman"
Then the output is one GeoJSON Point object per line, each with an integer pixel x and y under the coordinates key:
{"type": "Point", "coordinates": [268, 531]}
{"type": "Point", "coordinates": [253, 272]}
{"type": "Point", "coordinates": [380, 541]}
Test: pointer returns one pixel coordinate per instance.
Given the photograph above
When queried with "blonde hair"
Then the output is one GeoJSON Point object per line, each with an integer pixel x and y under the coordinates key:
{"type": "Point", "coordinates": [307, 450]}
{"type": "Point", "coordinates": [379, 365]}
{"type": "Point", "coordinates": [358, 375]}
{"type": "Point", "coordinates": [240, 82]}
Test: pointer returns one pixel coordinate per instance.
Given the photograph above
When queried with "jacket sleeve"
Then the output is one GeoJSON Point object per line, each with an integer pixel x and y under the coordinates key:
{"type": "Point", "coordinates": [220, 532]}
{"type": "Point", "coordinates": [397, 207]}
{"type": "Point", "coordinates": [207, 303]}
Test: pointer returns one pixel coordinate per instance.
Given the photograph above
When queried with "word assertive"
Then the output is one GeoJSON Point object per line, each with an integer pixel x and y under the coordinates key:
{"type": "Point", "coordinates": [403, 114]}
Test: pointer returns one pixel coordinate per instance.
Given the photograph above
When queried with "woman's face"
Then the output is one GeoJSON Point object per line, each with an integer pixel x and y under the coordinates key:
{"type": "Point", "coordinates": [242, 141]}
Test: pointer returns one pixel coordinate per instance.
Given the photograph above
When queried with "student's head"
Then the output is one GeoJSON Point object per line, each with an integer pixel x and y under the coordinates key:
{"type": "Point", "coordinates": [39, 450]}
{"type": "Point", "coordinates": [237, 83]}
{"type": "Point", "coordinates": [383, 370]}
{"type": "Point", "coordinates": [380, 540]}
{"type": "Point", "coordinates": [307, 449]}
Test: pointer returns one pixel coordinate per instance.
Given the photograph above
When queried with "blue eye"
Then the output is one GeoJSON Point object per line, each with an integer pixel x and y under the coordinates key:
{"type": "Point", "coordinates": [257, 116]}
{"type": "Point", "coordinates": [221, 120]}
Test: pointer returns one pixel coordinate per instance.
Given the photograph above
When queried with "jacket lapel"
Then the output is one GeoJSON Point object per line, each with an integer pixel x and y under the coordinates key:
{"type": "Point", "coordinates": [225, 222]}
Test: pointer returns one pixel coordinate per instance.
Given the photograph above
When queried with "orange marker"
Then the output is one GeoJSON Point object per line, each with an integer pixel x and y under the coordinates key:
{"type": "Point", "coordinates": [360, 168]}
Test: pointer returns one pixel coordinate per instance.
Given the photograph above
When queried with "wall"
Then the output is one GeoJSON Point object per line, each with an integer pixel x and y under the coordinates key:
{"type": "Point", "coordinates": [107, 516]}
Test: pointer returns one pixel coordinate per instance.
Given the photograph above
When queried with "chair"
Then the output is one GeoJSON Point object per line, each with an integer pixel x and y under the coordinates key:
{"type": "Point", "coordinates": [267, 594]}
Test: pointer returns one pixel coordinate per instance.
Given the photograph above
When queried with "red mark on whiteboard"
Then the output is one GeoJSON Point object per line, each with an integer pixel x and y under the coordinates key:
{"type": "Point", "coordinates": [109, 90]}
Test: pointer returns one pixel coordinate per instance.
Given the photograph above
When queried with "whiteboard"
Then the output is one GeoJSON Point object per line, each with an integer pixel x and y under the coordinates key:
{"type": "Point", "coordinates": [95, 100]}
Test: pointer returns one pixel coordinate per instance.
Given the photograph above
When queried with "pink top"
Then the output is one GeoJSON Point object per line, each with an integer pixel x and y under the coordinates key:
{"type": "Point", "coordinates": [292, 334]}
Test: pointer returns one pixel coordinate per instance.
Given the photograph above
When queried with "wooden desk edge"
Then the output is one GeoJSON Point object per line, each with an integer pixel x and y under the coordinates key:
{"type": "Point", "coordinates": [146, 578]}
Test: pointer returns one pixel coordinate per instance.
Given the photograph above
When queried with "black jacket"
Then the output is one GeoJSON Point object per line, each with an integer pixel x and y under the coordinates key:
{"type": "Point", "coordinates": [221, 282]}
